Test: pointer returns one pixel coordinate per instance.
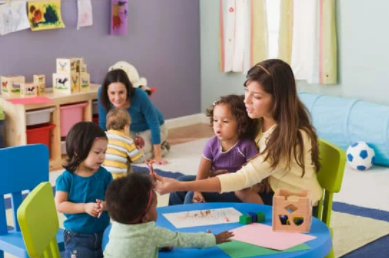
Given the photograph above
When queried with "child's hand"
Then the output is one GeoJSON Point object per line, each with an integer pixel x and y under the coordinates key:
{"type": "Point", "coordinates": [92, 208]}
{"type": "Point", "coordinates": [139, 142]}
{"type": "Point", "coordinates": [223, 236]}
{"type": "Point", "coordinates": [218, 172]}
{"type": "Point", "coordinates": [102, 207]}
{"type": "Point", "coordinates": [198, 197]}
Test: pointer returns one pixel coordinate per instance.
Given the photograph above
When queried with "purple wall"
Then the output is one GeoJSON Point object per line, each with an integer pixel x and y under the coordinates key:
{"type": "Point", "coordinates": [163, 43]}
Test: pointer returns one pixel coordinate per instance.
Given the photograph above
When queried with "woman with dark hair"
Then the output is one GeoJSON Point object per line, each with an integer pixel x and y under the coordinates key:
{"type": "Point", "coordinates": [288, 145]}
{"type": "Point", "coordinates": [147, 121]}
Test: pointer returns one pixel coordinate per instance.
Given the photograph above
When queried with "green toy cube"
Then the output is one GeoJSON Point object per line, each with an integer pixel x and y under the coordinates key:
{"type": "Point", "coordinates": [245, 219]}
{"type": "Point", "coordinates": [261, 216]}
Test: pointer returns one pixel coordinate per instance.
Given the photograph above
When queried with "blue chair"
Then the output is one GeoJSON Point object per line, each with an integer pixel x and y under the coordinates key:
{"type": "Point", "coordinates": [22, 168]}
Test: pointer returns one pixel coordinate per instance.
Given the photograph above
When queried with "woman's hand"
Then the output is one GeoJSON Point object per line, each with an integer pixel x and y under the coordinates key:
{"type": "Point", "coordinates": [160, 161]}
{"type": "Point", "coordinates": [166, 185]}
{"type": "Point", "coordinates": [158, 155]}
{"type": "Point", "coordinates": [198, 197]}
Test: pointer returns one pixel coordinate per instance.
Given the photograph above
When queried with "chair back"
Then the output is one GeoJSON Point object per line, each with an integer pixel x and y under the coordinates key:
{"type": "Point", "coordinates": [38, 222]}
{"type": "Point", "coordinates": [330, 176]}
{"type": "Point", "coordinates": [22, 168]}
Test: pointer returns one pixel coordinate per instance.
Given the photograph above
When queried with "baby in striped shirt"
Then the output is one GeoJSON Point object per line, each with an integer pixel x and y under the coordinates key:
{"type": "Point", "coordinates": [121, 151]}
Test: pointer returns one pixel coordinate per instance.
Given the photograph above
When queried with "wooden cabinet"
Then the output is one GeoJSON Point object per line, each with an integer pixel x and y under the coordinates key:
{"type": "Point", "coordinates": [14, 126]}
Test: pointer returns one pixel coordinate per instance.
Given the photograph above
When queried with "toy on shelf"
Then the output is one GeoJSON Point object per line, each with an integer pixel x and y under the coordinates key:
{"type": "Point", "coordinates": [40, 83]}
{"type": "Point", "coordinates": [10, 85]}
{"type": "Point", "coordinates": [252, 217]}
{"type": "Point", "coordinates": [28, 89]}
{"type": "Point", "coordinates": [71, 76]}
{"type": "Point", "coordinates": [292, 212]}
{"type": "Point", "coordinates": [133, 75]}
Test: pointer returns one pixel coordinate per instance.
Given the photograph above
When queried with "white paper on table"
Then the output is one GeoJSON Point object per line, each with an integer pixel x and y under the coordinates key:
{"type": "Point", "coordinates": [13, 17]}
{"type": "Point", "coordinates": [196, 218]}
{"type": "Point", "coordinates": [85, 15]}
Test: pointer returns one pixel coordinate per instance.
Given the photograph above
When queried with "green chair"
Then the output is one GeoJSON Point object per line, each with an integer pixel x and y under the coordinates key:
{"type": "Point", "coordinates": [38, 222]}
{"type": "Point", "coordinates": [330, 176]}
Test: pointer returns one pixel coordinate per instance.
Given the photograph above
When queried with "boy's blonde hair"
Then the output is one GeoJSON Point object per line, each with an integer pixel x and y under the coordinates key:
{"type": "Point", "coordinates": [117, 119]}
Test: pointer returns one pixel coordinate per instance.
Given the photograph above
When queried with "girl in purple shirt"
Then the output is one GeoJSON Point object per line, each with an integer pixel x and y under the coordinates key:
{"type": "Point", "coordinates": [226, 152]}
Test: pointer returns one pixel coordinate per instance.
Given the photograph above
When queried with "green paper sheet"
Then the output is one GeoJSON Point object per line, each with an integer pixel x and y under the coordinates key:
{"type": "Point", "coordinates": [236, 249]}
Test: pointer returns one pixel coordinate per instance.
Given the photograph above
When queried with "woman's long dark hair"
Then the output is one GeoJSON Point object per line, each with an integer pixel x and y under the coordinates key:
{"type": "Point", "coordinates": [277, 79]}
{"type": "Point", "coordinates": [117, 75]}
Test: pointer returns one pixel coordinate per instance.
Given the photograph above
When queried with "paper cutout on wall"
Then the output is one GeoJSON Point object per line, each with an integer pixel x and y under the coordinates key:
{"type": "Point", "coordinates": [13, 17]}
{"type": "Point", "coordinates": [45, 15]}
{"type": "Point", "coordinates": [119, 19]}
{"type": "Point", "coordinates": [85, 15]}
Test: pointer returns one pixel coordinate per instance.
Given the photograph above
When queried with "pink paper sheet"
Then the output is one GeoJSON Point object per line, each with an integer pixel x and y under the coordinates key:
{"type": "Point", "coordinates": [263, 235]}
{"type": "Point", "coordinates": [33, 100]}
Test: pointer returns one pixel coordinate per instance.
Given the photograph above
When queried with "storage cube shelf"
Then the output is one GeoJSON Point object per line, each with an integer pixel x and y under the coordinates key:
{"type": "Point", "coordinates": [39, 134]}
{"type": "Point", "coordinates": [70, 115]}
{"type": "Point", "coordinates": [23, 119]}
{"type": "Point", "coordinates": [36, 117]}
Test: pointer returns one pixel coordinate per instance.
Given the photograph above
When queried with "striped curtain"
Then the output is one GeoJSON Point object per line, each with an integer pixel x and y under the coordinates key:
{"type": "Point", "coordinates": [308, 39]}
{"type": "Point", "coordinates": [286, 31]}
{"type": "Point", "coordinates": [242, 34]}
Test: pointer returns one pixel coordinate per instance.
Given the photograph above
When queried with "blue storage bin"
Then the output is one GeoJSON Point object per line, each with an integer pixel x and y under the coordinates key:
{"type": "Point", "coordinates": [344, 121]}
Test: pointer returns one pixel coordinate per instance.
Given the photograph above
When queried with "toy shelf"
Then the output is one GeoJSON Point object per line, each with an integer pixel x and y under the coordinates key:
{"type": "Point", "coordinates": [14, 127]}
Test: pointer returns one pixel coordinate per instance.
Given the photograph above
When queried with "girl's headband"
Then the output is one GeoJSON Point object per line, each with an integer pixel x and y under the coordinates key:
{"type": "Point", "coordinates": [147, 207]}
{"type": "Point", "coordinates": [263, 68]}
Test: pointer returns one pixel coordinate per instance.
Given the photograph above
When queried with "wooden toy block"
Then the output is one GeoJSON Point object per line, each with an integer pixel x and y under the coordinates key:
{"type": "Point", "coordinates": [83, 68]}
{"type": "Point", "coordinates": [253, 216]}
{"type": "Point", "coordinates": [10, 85]}
{"type": "Point", "coordinates": [85, 82]}
{"type": "Point", "coordinates": [28, 89]}
{"type": "Point", "coordinates": [40, 82]}
{"type": "Point", "coordinates": [292, 212]}
{"type": "Point", "coordinates": [68, 65]}
{"type": "Point", "coordinates": [260, 216]}
{"type": "Point", "coordinates": [245, 219]}
{"type": "Point", "coordinates": [75, 82]}
{"type": "Point", "coordinates": [62, 83]}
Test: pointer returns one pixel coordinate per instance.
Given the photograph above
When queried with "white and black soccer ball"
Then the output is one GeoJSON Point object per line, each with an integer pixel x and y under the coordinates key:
{"type": "Point", "coordinates": [360, 156]}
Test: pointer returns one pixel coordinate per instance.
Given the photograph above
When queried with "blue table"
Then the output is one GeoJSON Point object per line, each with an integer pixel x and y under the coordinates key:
{"type": "Point", "coordinates": [320, 246]}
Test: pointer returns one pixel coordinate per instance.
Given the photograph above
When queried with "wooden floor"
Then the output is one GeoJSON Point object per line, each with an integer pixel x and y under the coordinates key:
{"type": "Point", "coordinates": [189, 133]}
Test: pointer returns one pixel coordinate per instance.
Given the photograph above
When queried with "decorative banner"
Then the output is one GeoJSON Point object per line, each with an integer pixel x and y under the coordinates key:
{"type": "Point", "coordinates": [119, 21]}
{"type": "Point", "coordinates": [85, 15]}
{"type": "Point", "coordinates": [45, 15]}
{"type": "Point", "coordinates": [13, 17]}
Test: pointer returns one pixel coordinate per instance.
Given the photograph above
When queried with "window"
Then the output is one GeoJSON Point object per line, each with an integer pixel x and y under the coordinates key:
{"type": "Point", "coordinates": [273, 24]}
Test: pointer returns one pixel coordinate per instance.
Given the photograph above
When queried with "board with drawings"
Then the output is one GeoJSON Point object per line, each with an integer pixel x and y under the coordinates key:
{"type": "Point", "coordinates": [203, 217]}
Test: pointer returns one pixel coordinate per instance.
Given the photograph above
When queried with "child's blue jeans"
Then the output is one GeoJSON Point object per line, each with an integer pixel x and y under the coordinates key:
{"type": "Point", "coordinates": [79, 245]}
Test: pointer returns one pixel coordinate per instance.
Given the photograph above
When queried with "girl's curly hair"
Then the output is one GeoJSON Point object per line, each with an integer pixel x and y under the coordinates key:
{"type": "Point", "coordinates": [247, 127]}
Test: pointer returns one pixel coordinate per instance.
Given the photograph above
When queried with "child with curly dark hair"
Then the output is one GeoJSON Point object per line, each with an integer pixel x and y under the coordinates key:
{"type": "Point", "coordinates": [131, 203]}
{"type": "Point", "coordinates": [226, 152]}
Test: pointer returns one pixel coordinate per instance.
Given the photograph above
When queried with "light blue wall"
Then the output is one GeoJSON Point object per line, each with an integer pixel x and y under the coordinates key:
{"type": "Point", "coordinates": [363, 43]}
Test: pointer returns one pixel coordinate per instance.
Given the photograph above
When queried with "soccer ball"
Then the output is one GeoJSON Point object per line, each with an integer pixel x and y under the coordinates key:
{"type": "Point", "coordinates": [360, 156]}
